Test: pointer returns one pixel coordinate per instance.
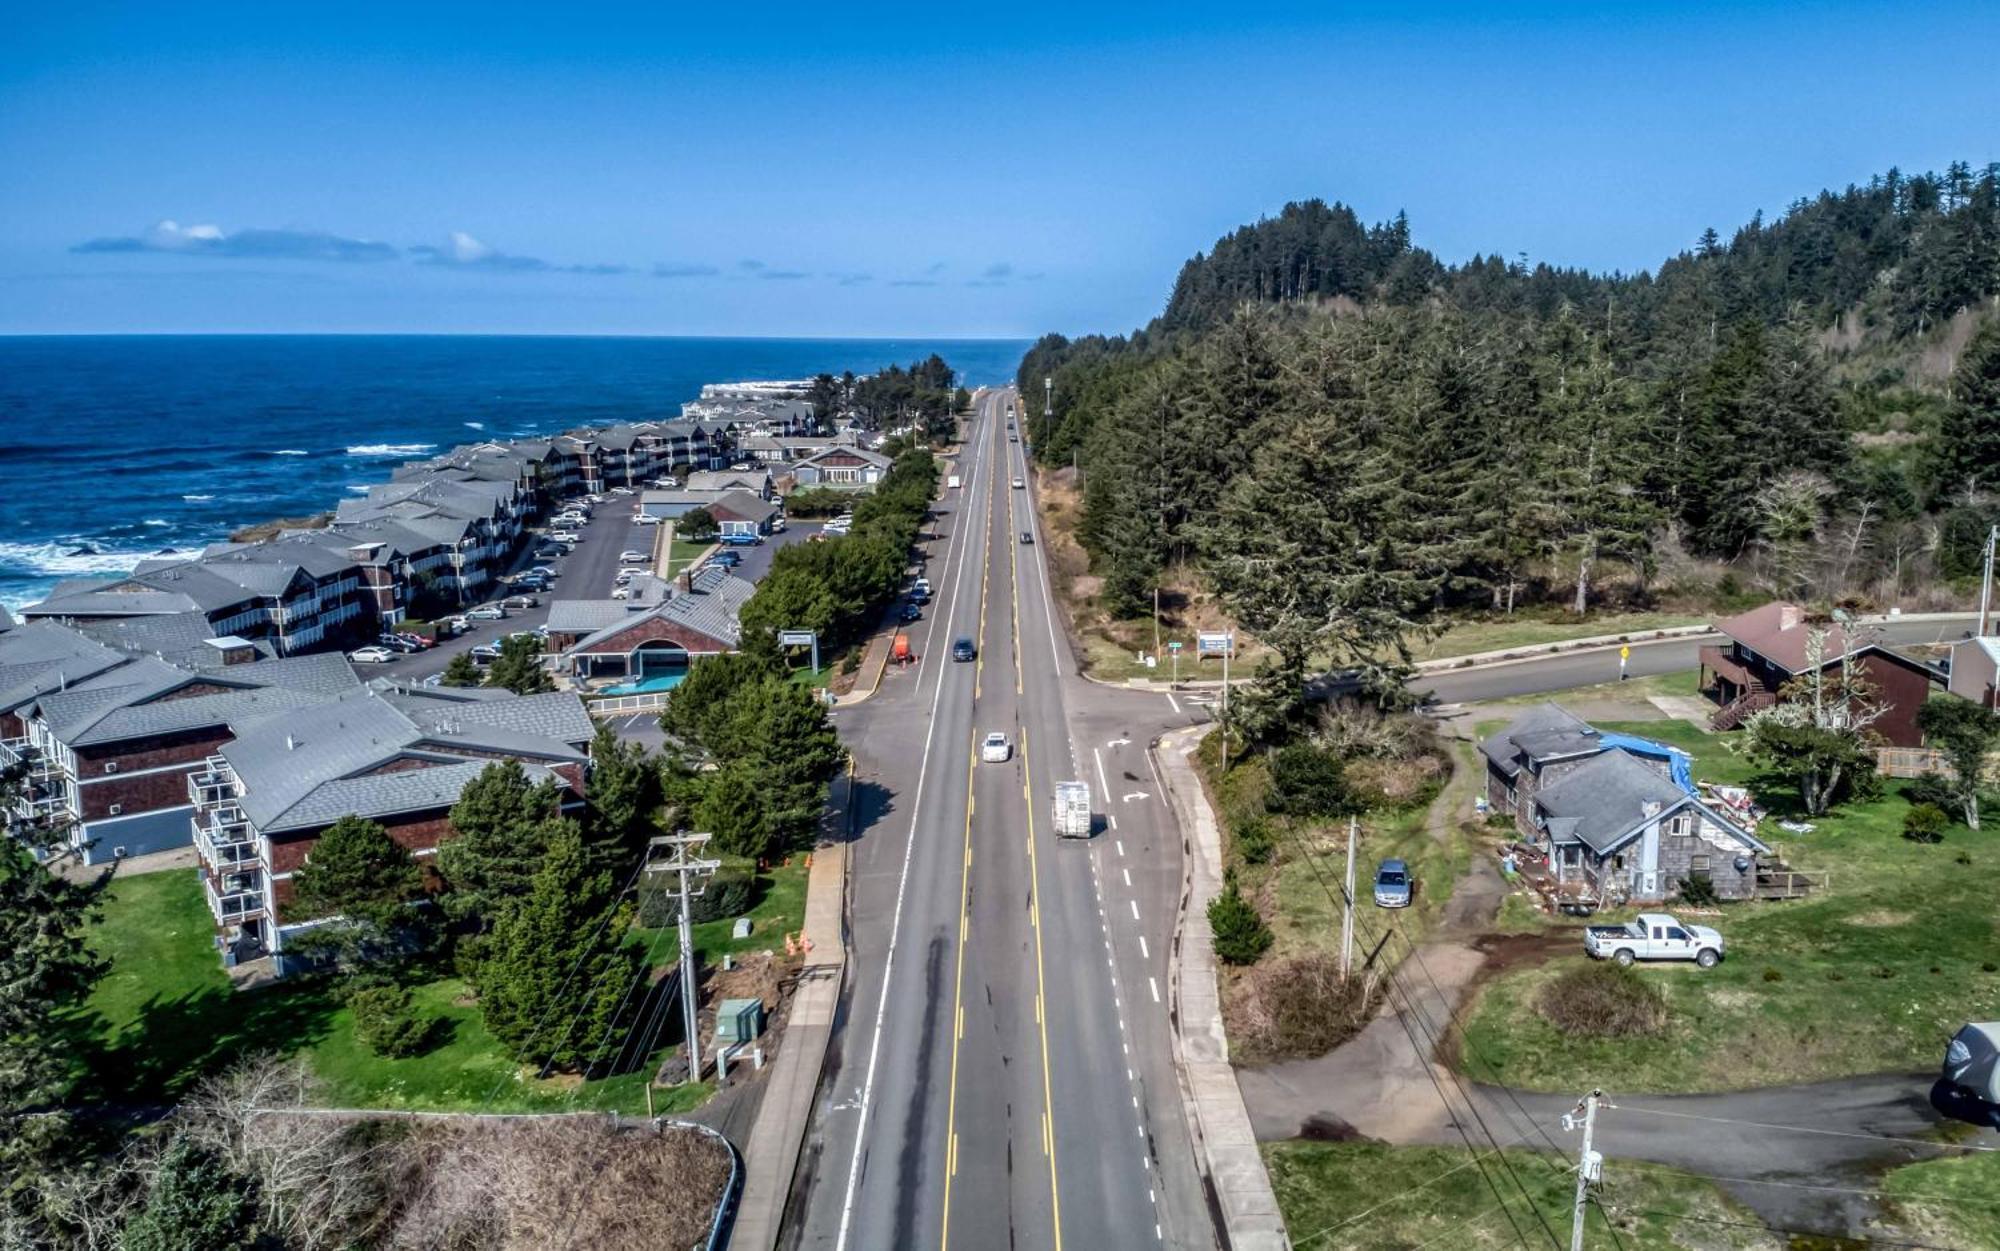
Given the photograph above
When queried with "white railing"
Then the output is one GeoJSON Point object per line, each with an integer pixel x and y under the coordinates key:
{"type": "Point", "coordinates": [233, 906]}
{"type": "Point", "coordinates": [620, 705]}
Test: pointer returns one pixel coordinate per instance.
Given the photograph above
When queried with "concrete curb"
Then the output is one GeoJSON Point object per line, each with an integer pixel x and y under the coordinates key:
{"type": "Point", "coordinates": [1225, 1145]}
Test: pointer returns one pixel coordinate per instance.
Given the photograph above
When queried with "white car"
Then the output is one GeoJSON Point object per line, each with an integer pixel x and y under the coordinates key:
{"type": "Point", "coordinates": [566, 536]}
{"type": "Point", "coordinates": [486, 612]}
{"type": "Point", "coordinates": [995, 748]}
{"type": "Point", "coordinates": [621, 490]}
{"type": "Point", "coordinates": [1019, 485]}
{"type": "Point", "coordinates": [371, 655]}
{"type": "Point", "coordinates": [645, 519]}
{"type": "Point", "coordinates": [631, 556]}
{"type": "Point", "coordinates": [570, 519]}
{"type": "Point", "coordinates": [621, 591]}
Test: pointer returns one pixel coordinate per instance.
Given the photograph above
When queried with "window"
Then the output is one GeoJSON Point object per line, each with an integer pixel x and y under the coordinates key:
{"type": "Point", "coordinates": [116, 810]}
{"type": "Point", "coordinates": [1697, 864]}
{"type": "Point", "coordinates": [1676, 933]}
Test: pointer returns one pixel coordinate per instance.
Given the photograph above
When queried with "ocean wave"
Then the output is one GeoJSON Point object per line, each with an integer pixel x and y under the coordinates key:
{"type": "Point", "coordinates": [389, 449]}
{"type": "Point", "coordinates": [155, 521]}
{"type": "Point", "coordinates": [475, 425]}
{"type": "Point", "coordinates": [290, 451]}
{"type": "Point", "coordinates": [74, 559]}
{"type": "Point", "coordinates": [197, 499]}
{"type": "Point", "coordinates": [361, 488]}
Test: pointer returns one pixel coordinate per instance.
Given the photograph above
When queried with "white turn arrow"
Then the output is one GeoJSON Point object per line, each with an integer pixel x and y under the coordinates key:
{"type": "Point", "coordinates": [1118, 742]}
{"type": "Point", "coordinates": [1135, 795]}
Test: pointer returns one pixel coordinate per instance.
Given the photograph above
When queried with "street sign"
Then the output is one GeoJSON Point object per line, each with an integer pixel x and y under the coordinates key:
{"type": "Point", "coordinates": [1221, 644]}
{"type": "Point", "coordinates": [1624, 653]}
{"type": "Point", "coordinates": [1173, 647]}
{"type": "Point", "coordinates": [796, 638]}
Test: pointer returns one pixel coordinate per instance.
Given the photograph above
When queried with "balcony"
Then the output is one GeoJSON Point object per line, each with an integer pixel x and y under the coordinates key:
{"type": "Point", "coordinates": [23, 752]}
{"type": "Point", "coordinates": [213, 785]}
{"type": "Point", "coordinates": [232, 907]}
{"type": "Point", "coordinates": [225, 839]}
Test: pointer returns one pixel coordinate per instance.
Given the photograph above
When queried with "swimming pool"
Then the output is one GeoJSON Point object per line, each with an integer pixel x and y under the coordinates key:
{"type": "Point", "coordinates": [646, 686]}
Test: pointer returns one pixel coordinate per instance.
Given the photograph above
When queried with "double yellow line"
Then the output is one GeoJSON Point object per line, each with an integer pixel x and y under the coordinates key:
{"type": "Point", "coordinates": [965, 881]}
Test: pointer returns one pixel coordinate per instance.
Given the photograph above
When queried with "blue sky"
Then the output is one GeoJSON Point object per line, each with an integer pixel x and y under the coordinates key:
{"type": "Point", "coordinates": [897, 170]}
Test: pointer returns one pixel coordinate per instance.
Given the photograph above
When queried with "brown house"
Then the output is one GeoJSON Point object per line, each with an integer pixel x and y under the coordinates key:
{"type": "Point", "coordinates": [1770, 646]}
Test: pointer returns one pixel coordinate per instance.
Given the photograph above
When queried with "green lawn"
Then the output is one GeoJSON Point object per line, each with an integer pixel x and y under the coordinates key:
{"type": "Point", "coordinates": [1953, 1201]}
{"type": "Point", "coordinates": [1363, 1196]}
{"type": "Point", "coordinates": [681, 553]}
{"type": "Point", "coordinates": [779, 910]}
{"type": "Point", "coordinates": [1634, 691]}
{"type": "Point", "coordinates": [1873, 974]}
{"type": "Point", "coordinates": [164, 1016]}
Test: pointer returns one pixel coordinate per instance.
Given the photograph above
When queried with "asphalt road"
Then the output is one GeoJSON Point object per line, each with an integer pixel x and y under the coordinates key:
{"type": "Point", "coordinates": [1001, 1074]}
{"type": "Point", "coordinates": [1589, 668]}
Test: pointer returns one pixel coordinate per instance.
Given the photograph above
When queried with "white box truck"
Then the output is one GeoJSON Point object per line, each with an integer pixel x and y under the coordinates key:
{"type": "Point", "coordinates": [1072, 810]}
{"type": "Point", "coordinates": [951, 481]}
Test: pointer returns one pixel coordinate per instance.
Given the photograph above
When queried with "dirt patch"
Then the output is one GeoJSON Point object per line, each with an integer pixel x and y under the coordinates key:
{"type": "Point", "coordinates": [1326, 1127]}
{"type": "Point", "coordinates": [1505, 952]}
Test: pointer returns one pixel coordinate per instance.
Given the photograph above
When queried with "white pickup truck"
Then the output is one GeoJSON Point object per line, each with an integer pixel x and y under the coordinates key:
{"type": "Point", "coordinates": [1654, 936]}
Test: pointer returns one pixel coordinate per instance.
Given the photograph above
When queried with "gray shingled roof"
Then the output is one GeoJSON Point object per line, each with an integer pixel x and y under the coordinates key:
{"type": "Point", "coordinates": [556, 715]}
{"type": "Point", "coordinates": [388, 794]}
{"type": "Point", "coordinates": [237, 709]}
{"type": "Point", "coordinates": [1541, 731]}
{"type": "Point", "coordinates": [1604, 800]}
{"type": "Point", "coordinates": [582, 616]}
{"type": "Point", "coordinates": [710, 609]}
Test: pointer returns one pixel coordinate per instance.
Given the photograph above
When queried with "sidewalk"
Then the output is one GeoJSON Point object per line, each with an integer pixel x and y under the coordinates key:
{"type": "Point", "coordinates": [772, 1154]}
{"type": "Point", "coordinates": [1225, 1145]}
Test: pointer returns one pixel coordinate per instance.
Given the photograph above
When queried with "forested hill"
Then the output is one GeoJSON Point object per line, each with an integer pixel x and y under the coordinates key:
{"type": "Point", "coordinates": [1345, 438]}
{"type": "Point", "coordinates": [1910, 250]}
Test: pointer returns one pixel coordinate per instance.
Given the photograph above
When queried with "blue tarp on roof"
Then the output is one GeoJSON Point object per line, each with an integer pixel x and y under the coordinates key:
{"type": "Point", "coordinates": [1679, 763]}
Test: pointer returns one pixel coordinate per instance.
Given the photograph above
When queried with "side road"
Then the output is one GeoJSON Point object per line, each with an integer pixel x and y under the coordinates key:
{"type": "Point", "coordinates": [1224, 1141]}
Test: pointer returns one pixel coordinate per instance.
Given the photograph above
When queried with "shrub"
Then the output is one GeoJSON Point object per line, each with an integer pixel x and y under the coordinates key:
{"type": "Point", "coordinates": [1254, 840]}
{"type": "Point", "coordinates": [1297, 1006]}
{"type": "Point", "coordinates": [1602, 1000]}
{"type": "Point", "coordinates": [1240, 934]}
{"type": "Point", "coordinates": [1773, 975]}
{"type": "Point", "coordinates": [1924, 823]}
{"type": "Point", "coordinates": [1699, 892]}
{"type": "Point", "coordinates": [387, 1024]}
{"type": "Point", "coordinates": [1307, 782]}
{"type": "Point", "coordinates": [730, 893]}
{"type": "Point", "coordinates": [1930, 788]}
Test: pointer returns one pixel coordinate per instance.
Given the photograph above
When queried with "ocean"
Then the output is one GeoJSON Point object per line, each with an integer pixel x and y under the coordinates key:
{"type": "Point", "coordinates": [116, 448]}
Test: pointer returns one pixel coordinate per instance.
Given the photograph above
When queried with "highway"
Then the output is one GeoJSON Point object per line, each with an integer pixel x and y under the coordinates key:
{"type": "Point", "coordinates": [1002, 1073]}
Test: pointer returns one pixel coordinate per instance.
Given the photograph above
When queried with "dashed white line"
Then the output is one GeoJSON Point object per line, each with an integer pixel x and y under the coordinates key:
{"type": "Point", "coordinates": [1128, 876]}
{"type": "Point", "coordinates": [1102, 785]}
{"type": "Point", "coordinates": [1154, 983]}
{"type": "Point", "coordinates": [1121, 845]}
{"type": "Point", "coordinates": [1135, 909]}
{"type": "Point", "coordinates": [1176, 703]}
{"type": "Point", "coordinates": [1143, 953]}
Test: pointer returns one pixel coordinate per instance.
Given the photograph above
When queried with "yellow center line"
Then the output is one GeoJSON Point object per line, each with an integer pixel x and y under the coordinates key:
{"type": "Point", "coordinates": [1041, 994]}
{"type": "Point", "coordinates": [965, 893]}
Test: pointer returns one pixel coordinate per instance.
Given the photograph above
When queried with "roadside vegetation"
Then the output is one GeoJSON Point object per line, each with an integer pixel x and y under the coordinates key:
{"type": "Point", "coordinates": [1358, 1196]}
{"type": "Point", "coordinates": [1872, 973]}
{"type": "Point", "coordinates": [1284, 808]}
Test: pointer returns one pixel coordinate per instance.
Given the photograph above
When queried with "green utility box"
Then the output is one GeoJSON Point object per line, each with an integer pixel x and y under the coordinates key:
{"type": "Point", "coordinates": [739, 1020]}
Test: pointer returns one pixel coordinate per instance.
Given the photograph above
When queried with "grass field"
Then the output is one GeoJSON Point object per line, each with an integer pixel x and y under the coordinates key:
{"type": "Point", "coordinates": [681, 553]}
{"type": "Point", "coordinates": [1873, 974]}
{"type": "Point", "coordinates": [1357, 1196]}
{"type": "Point", "coordinates": [164, 1016]}
{"type": "Point", "coordinates": [1949, 1202]}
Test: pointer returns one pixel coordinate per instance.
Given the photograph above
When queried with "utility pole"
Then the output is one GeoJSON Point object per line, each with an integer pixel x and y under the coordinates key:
{"type": "Point", "coordinates": [1986, 584]}
{"type": "Point", "coordinates": [1227, 647]}
{"type": "Point", "coordinates": [1347, 917]}
{"type": "Point", "coordinates": [675, 854]}
{"type": "Point", "coordinates": [1589, 1164]}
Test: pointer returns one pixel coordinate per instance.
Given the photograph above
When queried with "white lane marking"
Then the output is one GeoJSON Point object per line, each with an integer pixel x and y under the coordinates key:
{"type": "Point", "coordinates": [1121, 846]}
{"type": "Point", "coordinates": [1143, 953]}
{"type": "Point", "coordinates": [1154, 983]}
{"type": "Point", "coordinates": [1135, 909]}
{"type": "Point", "coordinates": [1129, 796]}
{"type": "Point", "coordinates": [1176, 703]}
{"type": "Point", "coordinates": [1112, 818]}
{"type": "Point", "coordinates": [1128, 876]}
{"type": "Point", "coordinates": [895, 930]}
{"type": "Point", "coordinates": [1103, 786]}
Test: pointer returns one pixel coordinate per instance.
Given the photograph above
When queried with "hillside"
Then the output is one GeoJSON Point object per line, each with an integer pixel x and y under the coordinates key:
{"type": "Point", "coordinates": [1345, 440]}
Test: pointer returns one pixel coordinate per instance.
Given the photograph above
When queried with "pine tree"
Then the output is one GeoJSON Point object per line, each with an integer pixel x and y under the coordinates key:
{"type": "Point", "coordinates": [461, 671]}
{"type": "Point", "coordinates": [622, 795]}
{"type": "Point", "coordinates": [501, 827]}
{"type": "Point", "coordinates": [357, 872]}
{"type": "Point", "coordinates": [557, 968]}
{"type": "Point", "coordinates": [732, 809]}
{"type": "Point", "coordinates": [47, 970]}
{"type": "Point", "coordinates": [519, 667]}
{"type": "Point", "coordinates": [1964, 456]}
{"type": "Point", "coordinates": [193, 1199]}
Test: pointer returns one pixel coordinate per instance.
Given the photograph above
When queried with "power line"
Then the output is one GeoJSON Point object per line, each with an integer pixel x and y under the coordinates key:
{"type": "Point", "coordinates": [1410, 1023]}
{"type": "Point", "coordinates": [1763, 1228]}
{"type": "Point", "coordinates": [1400, 1195]}
{"type": "Point", "coordinates": [1792, 1185]}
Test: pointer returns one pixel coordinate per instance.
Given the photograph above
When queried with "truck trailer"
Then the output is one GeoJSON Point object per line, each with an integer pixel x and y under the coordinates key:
{"type": "Point", "coordinates": [1072, 810]}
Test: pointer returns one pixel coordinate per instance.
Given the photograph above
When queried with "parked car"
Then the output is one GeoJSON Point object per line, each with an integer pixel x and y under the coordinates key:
{"type": "Point", "coordinates": [632, 556]}
{"type": "Point", "coordinates": [621, 591]}
{"type": "Point", "coordinates": [1654, 936]}
{"type": "Point", "coordinates": [486, 653]}
{"type": "Point", "coordinates": [728, 560]}
{"type": "Point", "coordinates": [487, 612]}
{"type": "Point", "coordinates": [543, 571]}
{"type": "Point", "coordinates": [423, 644]}
{"type": "Point", "coordinates": [522, 601]}
{"type": "Point", "coordinates": [913, 612]}
{"type": "Point", "coordinates": [459, 624]}
{"type": "Point", "coordinates": [777, 525]}
{"type": "Point", "coordinates": [962, 649]}
{"type": "Point", "coordinates": [1392, 884]}
{"type": "Point", "coordinates": [594, 498]}
{"type": "Point", "coordinates": [371, 655]}
{"type": "Point", "coordinates": [529, 582]}
{"type": "Point", "coordinates": [645, 519]}
{"type": "Point", "coordinates": [621, 490]}
{"type": "Point", "coordinates": [743, 538]}
{"type": "Point", "coordinates": [995, 749]}
{"type": "Point", "coordinates": [570, 537]}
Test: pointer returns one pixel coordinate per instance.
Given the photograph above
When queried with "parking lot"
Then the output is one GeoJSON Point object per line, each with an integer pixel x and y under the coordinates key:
{"type": "Point", "coordinates": [588, 572]}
